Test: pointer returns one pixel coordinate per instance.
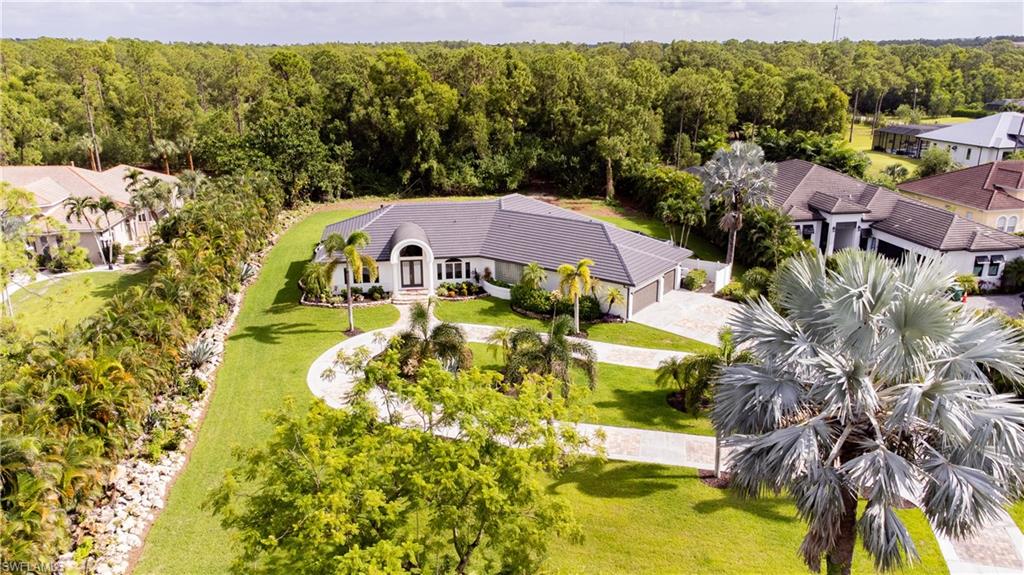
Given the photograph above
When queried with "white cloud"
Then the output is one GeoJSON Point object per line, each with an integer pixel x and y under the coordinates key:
{"type": "Point", "coordinates": [496, 22]}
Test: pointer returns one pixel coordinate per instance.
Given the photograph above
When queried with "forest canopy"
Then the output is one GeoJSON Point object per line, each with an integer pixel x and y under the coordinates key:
{"type": "Point", "coordinates": [333, 120]}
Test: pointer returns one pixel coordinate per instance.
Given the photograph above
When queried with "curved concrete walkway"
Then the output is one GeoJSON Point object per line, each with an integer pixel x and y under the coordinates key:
{"type": "Point", "coordinates": [998, 548]}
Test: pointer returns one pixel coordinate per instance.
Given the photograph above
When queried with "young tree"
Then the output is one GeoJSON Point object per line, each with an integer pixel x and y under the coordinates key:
{"type": "Point", "coordinates": [533, 276]}
{"type": "Point", "coordinates": [445, 343]}
{"type": "Point", "coordinates": [574, 281]}
{"type": "Point", "coordinates": [554, 354]}
{"type": "Point", "coordinates": [349, 249]}
{"type": "Point", "coordinates": [737, 177]}
{"type": "Point", "coordinates": [106, 205]}
{"type": "Point", "coordinates": [19, 220]}
{"type": "Point", "coordinates": [871, 384]}
{"type": "Point", "coordinates": [934, 161]}
{"type": "Point", "coordinates": [78, 209]}
{"type": "Point", "coordinates": [452, 483]}
{"type": "Point", "coordinates": [613, 296]}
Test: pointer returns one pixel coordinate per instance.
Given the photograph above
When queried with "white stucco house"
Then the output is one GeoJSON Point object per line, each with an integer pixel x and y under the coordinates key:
{"type": "Point", "coordinates": [980, 141]}
{"type": "Point", "coordinates": [418, 246]}
{"type": "Point", "coordinates": [835, 211]}
{"type": "Point", "coordinates": [50, 186]}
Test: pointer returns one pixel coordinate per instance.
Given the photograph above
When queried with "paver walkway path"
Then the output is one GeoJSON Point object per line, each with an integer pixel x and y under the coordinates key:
{"type": "Point", "coordinates": [998, 549]}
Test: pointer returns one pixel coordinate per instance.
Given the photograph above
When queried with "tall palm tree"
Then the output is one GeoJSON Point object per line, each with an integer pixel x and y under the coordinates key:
{"type": "Point", "coordinates": [190, 183]}
{"type": "Point", "coordinates": [533, 276]}
{"type": "Point", "coordinates": [871, 384]}
{"type": "Point", "coordinates": [737, 177]}
{"type": "Point", "coordinates": [91, 147]}
{"type": "Point", "coordinates": [349, 249]}
{"type": "Point", "coordinates": [106, 205]}
{"type": "Point", "coordinates": [186, 143]}
{"type": "Point", "coordinates": [163, 150]}
{"type": "Point", "coordinates": [79, 208]}
{"type": "Point", "coordinates": [574, 281]}
{"type": "Point", "coordinates": [446, 343]}
{"type": "Point", "coordinates": [555, 355]}
{"type": "Point", "coordinates": [500, 342]}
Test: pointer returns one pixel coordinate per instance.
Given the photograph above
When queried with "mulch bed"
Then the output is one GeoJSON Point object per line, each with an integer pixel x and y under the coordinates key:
{"type": "Point", "coordinates": [707, 476]}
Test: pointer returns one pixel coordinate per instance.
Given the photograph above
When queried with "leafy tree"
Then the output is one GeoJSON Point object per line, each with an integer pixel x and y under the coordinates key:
{"type": "Point", "coordinates": [554, 354]}
{"type": "Point", "coordinates": [813, 103]}
{"type": "Point", "coordinates": [909, 115]}
{"type": "Point", "coordinates": [349, 251]}
{"type": "Point", "coordinates": [737, 178]}
{"type": "Point", "coordinates": [699, 104]}
{"type": "Point", "coordinates": [827, 150]}
{"type": "Point", "coordinates": [885, 398]}
{"type": "Point", "coordinates": [19, 220]}
{"type": "Point", "coordinates": [934, 161]}
{"type": "Point", "coordinates": [574, 281]}
{"type": "Point", "coordinates": [445, 343]}
{"type": "Point", "coordinates": [760, 95]}
{"type": "Point", "coordinates": [439, 490]}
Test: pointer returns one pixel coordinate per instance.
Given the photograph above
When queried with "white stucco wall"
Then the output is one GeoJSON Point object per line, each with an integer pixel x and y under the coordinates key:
{"type": "Point", "coordinates": [959, 262]}
{"type": "Point", "coordinates": [959, 152]}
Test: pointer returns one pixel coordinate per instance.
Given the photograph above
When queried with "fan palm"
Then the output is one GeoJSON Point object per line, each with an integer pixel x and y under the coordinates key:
{"type": "Point", "coordinates": [738, 177]}
{"type": "Point", "coordinates": [574, 281]}
{"type": "Point", "coordinates": [555, 355]}
{"type": "Point", "coordinates": [349, 248]}
{"type": "Point", "coordinates": [533, 276]}
{"type": "Point", "coordinates": [163, 150]}
{"type": "Point", "coordinates": [446, 343]}
{"type": "Point", "coordinates": [500, 342]}
{"type": "Point", "coordinates": [79, 208]}
{"type": "Point", "coordinates": [870, 383]}
{"type": "Point", "coordinates": [191, 182]}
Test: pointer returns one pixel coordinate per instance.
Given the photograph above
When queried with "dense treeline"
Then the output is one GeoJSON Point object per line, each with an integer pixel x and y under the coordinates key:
{"type": "Point", "coordinates": [337, 120]}
{"type": "Point", "coordinates": [77, 399]}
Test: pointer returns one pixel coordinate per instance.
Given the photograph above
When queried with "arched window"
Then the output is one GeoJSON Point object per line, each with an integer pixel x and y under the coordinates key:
{"type": "Point", "coordinates": [454, 269]}
{"type": "Point", "coordinates": [411, 251]}
{"type": "Point", "coordinates": [1001, 223]}
{"type": "Point", "coordinates": [1011, 224]}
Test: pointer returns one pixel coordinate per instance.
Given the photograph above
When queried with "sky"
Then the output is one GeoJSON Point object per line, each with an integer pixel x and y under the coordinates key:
{"type": "Point", "coordinates": [511, 21]}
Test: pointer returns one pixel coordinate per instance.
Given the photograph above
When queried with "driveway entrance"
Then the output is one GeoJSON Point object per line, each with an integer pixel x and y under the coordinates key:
{"type": "Point", "coordinates": [695, 315]}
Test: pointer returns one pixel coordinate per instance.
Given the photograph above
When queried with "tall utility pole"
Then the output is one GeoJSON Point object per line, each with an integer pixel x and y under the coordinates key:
{"type": "Point", "coordinates": [835, 23]}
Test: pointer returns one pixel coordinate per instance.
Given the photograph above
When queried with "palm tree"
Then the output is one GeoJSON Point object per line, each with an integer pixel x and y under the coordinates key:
{"type": "Point", "coordinates": [613, 296]}
{"type": "Point", "coordinates": [737, 177]}
{"type": "Point", "coordinates": [163, 150]}
{"type": "Point", "coordinates": [554, 355]}
{"type": "Point", "coordinates": [90, 146]}
{"type": "Point", "coordinates": [694, 374]}
{"type": "Point", "coordinates": [186, 143]}
{"type": "Point", "coordinates": [350, 247]}
{"type": "Point", "coordinates": [446, 343]}
{"type": "Point", "coordinates": [871, 384]}
{"type": "Point", "coordinates": [574, 281]}
{"type": "Point", "coordinates": [79, 208]}
{"type": "Point", "coordinates": [500, 342]}
{"type": "Point", "coordinates": [533, 276]}
{"type": "Point", "coordinates": [190, 183]}
{"type": "Point", "coordinates": [105, 204]}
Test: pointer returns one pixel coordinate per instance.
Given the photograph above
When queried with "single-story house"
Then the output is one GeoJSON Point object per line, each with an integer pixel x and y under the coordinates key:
{"type": "Point", "coordinates": [835, 211]}
{"type": "Point", "coordinates": [418, 246]}
{"type": "Point", "coordinates": [980, 141]}
{"type": "Point", "coordinates": [52, 185]}
{"type": "Point", "coordinates": [1004, 104]}
{"type": "Point", "coordinates": [902, 139]}
{"type": "Point", "coordinates": [991, 194]}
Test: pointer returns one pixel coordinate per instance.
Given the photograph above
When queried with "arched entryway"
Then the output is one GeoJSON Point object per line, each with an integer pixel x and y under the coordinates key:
{"type": "Point", "coordinates": [410, 267]}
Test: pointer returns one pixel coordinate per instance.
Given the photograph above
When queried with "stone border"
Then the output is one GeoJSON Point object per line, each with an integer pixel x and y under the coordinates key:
{"type": "Point", "coordinates": [364, 303]}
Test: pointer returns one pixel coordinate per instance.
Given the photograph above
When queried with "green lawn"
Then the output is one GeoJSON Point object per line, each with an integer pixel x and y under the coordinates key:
{"type": "Point", "coordinates": [625, 397]}
{"type": "Point", "coordinates": [273, 345]}
{"type": "Point", "coordinates": [1017, 513]}
{"type": "Point", "coordinates": [653, 519]}
{"type": "Point", "coordinates": [47, 304]}
{"type": "Point", "coordinates": [879, 160]}
{"type": "Point", "coordinates": [493, 311]}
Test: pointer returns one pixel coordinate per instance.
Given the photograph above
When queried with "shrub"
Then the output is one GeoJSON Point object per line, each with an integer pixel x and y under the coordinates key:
{"type": "Point", "coordinates": [1013, 275]}
{"type": "Point", "coordinates": [969, 283]}
{"type": "Point", "coordinates": [376, 293]}
{"type": "Point", "coordinates": [969, 113]}
{"type": "Point", "coordinates": [695, 280]}
{"type": "Point", "coordinates": [130, 257]}
{"type": "Point", "coordinates": [737, 292]}
{"type": "Point", "coordinates": [200, 352]}
{"type": "Point", "coordinates": [757, 279]}
{"type": "Point", "coordinates": [497, 282]}
{"type": "Point", "coordinates": [539, 301]}
{"type": "Point", "coordinates": [63, 260]}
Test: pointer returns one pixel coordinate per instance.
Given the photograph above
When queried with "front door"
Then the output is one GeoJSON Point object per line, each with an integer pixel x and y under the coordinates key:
{"type": "Point", "coordinates": [412, 273]}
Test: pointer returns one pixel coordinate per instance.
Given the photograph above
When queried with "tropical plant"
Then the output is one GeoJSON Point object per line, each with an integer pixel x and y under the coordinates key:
{"type": "Point", "coordinates": [105, 205]}
{"type": "Point", "coordinates": [199, 352]}
{"type": "Point", "coordinates": [896, 172]}
{"type": "Point", "coordinates": [934, 161]}
{"type": "Point", "coordinates": [1013, 275]}
{"type": "Point", "coordinates": [533, 276]}
{"type": "Point", "coordinates": [574, 281]}
{"type": "Point", "coordinates": [613, 296]}
{"type": "Point", "coordinates": [500, 342]}
{"type": "Point", "coordinates": [247, 273]}
{"type": "Point", "coordinates": [79, 208]}
{"type": "Point", "coordinates": [164, 150]}
{"type": "Point", "coordinates": [871, 384]}
{"type": "Point", "coordinates": [445, 342]}
{"type": "Point", "coordinates": [349, 249]}
{"type": "Point", "coordinates": [190, 183]}
{"type": "Point", "coordinates": [555, 355]}
{"type": "Point", "coordinates": [737, 177]}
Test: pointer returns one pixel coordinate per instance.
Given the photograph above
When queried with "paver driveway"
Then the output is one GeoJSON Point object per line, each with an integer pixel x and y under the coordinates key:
{"type": "Point", "coordinates": [696, 315]}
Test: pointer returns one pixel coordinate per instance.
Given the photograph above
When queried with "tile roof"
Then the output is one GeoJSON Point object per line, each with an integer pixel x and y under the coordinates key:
{"type": "Point", "coordinates": [982, 187]}
{"type": "Point", "coordinates": [806, 188]}
{"type": "Point", "coordinates": [1000, 131]}
{"type": "Point", "coordinates": [519, 229]}
{"type": "Point", "coordinates": [910, 129]}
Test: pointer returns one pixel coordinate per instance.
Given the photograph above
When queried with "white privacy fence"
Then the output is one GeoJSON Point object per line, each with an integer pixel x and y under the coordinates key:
{"type": "Point", "coordinates": [718, 273]}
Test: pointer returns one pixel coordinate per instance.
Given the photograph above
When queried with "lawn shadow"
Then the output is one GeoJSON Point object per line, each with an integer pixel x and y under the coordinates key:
{"type": "Point", "coordinates": [597, 478]}
{"type": "Point", "coordinates": [271, 333]}
{"type": "Point", "coordinates": [289, 291]}
{"type": "Point", "coordinates": [123, 282]}
{"type": "Point", "coordinates": [648, 408]}
{"type": "Point", "coordinates": [765, 508]}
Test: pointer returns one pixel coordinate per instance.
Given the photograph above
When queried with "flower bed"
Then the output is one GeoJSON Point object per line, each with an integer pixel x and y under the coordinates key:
{"type": "Point", "coordinates": [459, 291]}
{"type": "Point", "coordinates": [343, 303]}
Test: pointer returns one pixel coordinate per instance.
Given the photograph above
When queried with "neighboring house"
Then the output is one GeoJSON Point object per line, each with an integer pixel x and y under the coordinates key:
{"type": "Point", "coordinates": [991, 194]}
{"type": "Point", "coordinates": [419, 246]}
{"type": "Point", "coordinates": [51, 185]}
{"type": "Point", "coordinates": [902, 139]}
{"type": "Point", "coordinates": [1004, 104]}
{"type": "Point", "coordinates": [980, 141]}
{"type": "Point", "coordinates": [835, 211]}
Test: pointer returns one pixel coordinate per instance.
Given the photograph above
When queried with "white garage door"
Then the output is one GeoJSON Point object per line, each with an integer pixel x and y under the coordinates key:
{"type": "Point", "coordinates": [645, 296]}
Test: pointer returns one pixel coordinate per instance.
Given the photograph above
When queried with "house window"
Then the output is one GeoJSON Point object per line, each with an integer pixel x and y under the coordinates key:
{"type": "Point", "coordinates": [995, 266]}
{"type": "Point", "coordinates": [969, 153]}
{"type": "Point", "coordinates": [1011, 225]}
{"type": "Point", "coordinates": [142, 216]}
{"type": "Point", "coordinates": [807, 232]}
{"type": "Point", "coordinates": [1001, 223]}
{"type": "Point", "coordinates": [411, 251]}
{"type": "Point", "coordinates": [440, 271]}
{"type": "Point", "coordinates": [453, 269]}
{"type": "Point", "coordinates": [366, 275]}
{"type": "Point", "coordinates": [979, 265]}
{"type": "Point", "coordinates": [467, 270]}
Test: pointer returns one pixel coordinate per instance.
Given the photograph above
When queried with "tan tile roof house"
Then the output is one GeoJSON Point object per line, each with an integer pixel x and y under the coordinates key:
{"type": "Point", "coordinates": [992, 193]}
